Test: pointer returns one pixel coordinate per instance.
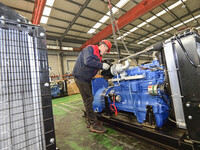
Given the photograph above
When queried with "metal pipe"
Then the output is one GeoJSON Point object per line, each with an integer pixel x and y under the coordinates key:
{"type": "Point", "coordinates": [155, 47]}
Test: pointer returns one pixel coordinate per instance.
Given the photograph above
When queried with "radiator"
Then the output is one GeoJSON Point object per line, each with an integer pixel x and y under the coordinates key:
{"type": "Point", "coordinates": [26, 119]}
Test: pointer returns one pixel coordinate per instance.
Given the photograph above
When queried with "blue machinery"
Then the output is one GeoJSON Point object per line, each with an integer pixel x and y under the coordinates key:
{"type": "Point", "coordinates": [136, 91]}
{"type": "Point", "coordinates": [159, 94]}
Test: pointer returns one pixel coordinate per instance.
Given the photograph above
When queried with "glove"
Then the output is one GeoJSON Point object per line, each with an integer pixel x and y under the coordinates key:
{"type": "Point", "coordinates": [105, 66]}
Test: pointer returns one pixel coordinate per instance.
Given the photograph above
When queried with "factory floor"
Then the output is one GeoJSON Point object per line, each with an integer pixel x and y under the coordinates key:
{"type": "Point", "coordinates": [72, 134]}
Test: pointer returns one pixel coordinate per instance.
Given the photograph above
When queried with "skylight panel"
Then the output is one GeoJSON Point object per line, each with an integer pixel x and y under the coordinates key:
{"type": "Point", "coordinates": [50, 3]}
{"type": "Point", "coordinates": [97, 25]}
{"type": "Point", "coordinates": [44, 20]}
{"type": "Point", "coordinates": [91, 31]}
{"type": "Point", "coordinates": [47, 11]}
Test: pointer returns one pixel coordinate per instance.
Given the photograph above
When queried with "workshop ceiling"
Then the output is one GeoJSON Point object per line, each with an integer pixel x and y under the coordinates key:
{"type": "Point", "coordinates": [70, 20]}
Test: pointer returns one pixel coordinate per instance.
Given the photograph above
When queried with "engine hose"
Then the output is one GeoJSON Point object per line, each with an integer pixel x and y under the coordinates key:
{"type": "Point", "coordinates": [113, 107]}
{"type": "Point", "coordinates": [185, 52]}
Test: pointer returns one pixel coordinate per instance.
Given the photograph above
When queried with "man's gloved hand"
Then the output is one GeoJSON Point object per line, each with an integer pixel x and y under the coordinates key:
{"type": "Point", "coordinates": [106, 66]}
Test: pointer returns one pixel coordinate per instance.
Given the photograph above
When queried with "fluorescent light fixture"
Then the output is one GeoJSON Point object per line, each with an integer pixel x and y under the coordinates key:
{"type": "Point", "coordinates": [114, 10]}
{"type": "Point", "coordinates": [167, 30]}
{"type": "Point", "coordinates": [142, 24]}
{"type": "Point", "coordinates": [50, 2]}
{"type": "Point", "coordinates": [44, 20]}
{"type": "Point", "coordinates": [161, 13]}
{"type": "Point", "coordinates": [97, 25]}
{"type": "Point", "coordinates": [153, 36]}
{"type": "Point", "coordinates": [161, 33]}
{"type": "Point", "coordinates": [47, 11]}
{"type": "Point", "coordinates": [146, 39]}
{"type": "Point", "coordinates": [121, 3]}
{"type": "Point", "coordinates": [198, 28]}
{"type": "Point", "coordinates": [188, 20]}
{"type": "Point", "coordinates": [67, 48]}
{"type": "Point", "coordinates": [104, 19]}
{"type": "Point", "coordinates": [176, 4]}
{"type": "Point", "coordinates": [91, 31]}
{"type": "Point", "coordinates": [150, 19]}
{"type": "Point", "coordinates": [170, 29]}
{"type": "Point", "coordinates": [197, 16]}
{"type": "Point", "coordinates": [133, 29]}
{"type": "Point", "coordinates": [178, 25]}
{"type": "Point", "coordinates": [140, 42]}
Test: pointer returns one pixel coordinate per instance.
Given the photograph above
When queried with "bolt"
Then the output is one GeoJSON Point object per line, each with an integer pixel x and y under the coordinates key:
{"type": "Point", "coordinates": [52, 140]}
{"type": "Point", "coordinates": [188, 105]}
{"type": "Point", "coordinates": [46, 84]}
{"type": "Point", "coordinates": [189, 117]}
{"type": "Point", "coordinates": [42, 34]}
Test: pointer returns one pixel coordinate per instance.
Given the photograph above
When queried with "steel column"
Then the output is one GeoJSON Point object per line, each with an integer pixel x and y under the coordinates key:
{"type": "Point", "coordinates": [37, 12]}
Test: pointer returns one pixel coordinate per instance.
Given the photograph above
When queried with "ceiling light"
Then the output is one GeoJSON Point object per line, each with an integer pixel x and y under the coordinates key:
{"type": "Point", "coordinates": [150, 19]}
{"type": "Point", "coordinates": [50, 2]}
{"type": "Point", "coordinates": [153, 36]}
{"type": "Point", "coordinates": [161, 13]}
{"type": "Point", "coordinates": [188, 20]}
{"type": "Point", "coordinates": [167, 30]}
{"type": "Point", "coordinates": [91, 31]}
{"type": "Point", "coordinates": [197, 16]}
{"type": "Point", "coordinates": [121, 3]}
{"type": "Point", "coordinates": [47, 11]}
{"type": "Point", "coordinates": [140, 42]}
{"type": "Point", "coordinates": [146, 39]}
{"type": "Point", "coordinates": [170, 29]}
{"type": "Point", "coordinates": [114, 10]}
{"type": "Point", "coordinates": [178, 25]}
{"type": "Point", "coordinates": [97, 25]}
{"type": "Point", "coordinates": [132, 30]}
{"type": "Point", "coordinates": [142, 24]}
{"type": "Point", "coordinates": [44, 20]}
{"type": "Point", "coordinates": [147, 26]}
{"type": "Point", "coordinates": [104, 19]}
{"type": "Point", "coordinates": [176, 4]}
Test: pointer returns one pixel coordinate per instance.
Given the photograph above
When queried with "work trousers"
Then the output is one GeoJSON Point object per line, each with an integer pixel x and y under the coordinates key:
{"type": "Point", "coordinates": [85, 89]}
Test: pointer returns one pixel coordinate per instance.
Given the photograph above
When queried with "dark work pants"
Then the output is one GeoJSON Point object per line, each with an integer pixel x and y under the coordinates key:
{"type": "Point", "coordinates": [85, 89]}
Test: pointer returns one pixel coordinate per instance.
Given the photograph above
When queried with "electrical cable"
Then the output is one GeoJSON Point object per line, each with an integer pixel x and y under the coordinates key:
{"type": "Point", "coordinates": [113, 107]}
{"type": "Point", "coordinates": [185, 52]}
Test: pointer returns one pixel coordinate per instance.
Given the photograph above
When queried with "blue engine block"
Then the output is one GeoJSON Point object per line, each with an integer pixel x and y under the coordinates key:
{"type": "Point", "coordinates": [133, 92]}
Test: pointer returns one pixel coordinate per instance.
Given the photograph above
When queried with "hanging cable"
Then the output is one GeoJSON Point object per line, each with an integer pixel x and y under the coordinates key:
{"type": "Point", "coordinates": [113, 28]}
{"type": "Point", "coordinates": [114, 25]}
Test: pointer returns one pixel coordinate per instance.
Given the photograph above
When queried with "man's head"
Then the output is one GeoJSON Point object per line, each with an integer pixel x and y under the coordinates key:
{"type": "Point", "coordinates": [104, 47]}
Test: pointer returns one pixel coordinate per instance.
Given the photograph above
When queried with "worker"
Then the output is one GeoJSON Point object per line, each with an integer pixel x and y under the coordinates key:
{"type": "Point", "coordinates": [86, 67]}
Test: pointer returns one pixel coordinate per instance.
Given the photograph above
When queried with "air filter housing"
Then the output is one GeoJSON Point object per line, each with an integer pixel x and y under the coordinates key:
{"type": "Point", "coordinates": [25, 96]}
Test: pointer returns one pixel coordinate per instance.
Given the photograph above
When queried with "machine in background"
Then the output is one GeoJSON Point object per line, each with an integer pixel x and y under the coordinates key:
{"type": "Point", "coordinates": [59, 89]}
{"type": "Point", "coordinates": [157, 93]}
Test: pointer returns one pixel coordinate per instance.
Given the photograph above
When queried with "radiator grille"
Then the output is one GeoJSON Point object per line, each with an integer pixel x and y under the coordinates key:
{"type": "Point", "coordinates": [21, 112]}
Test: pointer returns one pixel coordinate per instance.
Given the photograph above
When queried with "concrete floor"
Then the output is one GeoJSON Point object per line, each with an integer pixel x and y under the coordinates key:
{"type": "Point", "coordinates": [72, 134]}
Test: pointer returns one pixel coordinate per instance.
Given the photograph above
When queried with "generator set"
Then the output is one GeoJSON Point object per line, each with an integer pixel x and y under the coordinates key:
{"type": "Point", "coordinates": [159, 92]}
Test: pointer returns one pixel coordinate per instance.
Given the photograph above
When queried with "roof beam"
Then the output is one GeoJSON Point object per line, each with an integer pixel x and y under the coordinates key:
{"type": "Point", "coordinates": [75, 18]}
{"type": "Point", "coordinates": [136, 12]}
{"type": "Point", "coordinates": [38, 10]}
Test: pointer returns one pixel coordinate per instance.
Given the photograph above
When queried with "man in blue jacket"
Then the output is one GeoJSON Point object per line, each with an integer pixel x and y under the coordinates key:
{"type": "Point", "coordinates": [86, 67]}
